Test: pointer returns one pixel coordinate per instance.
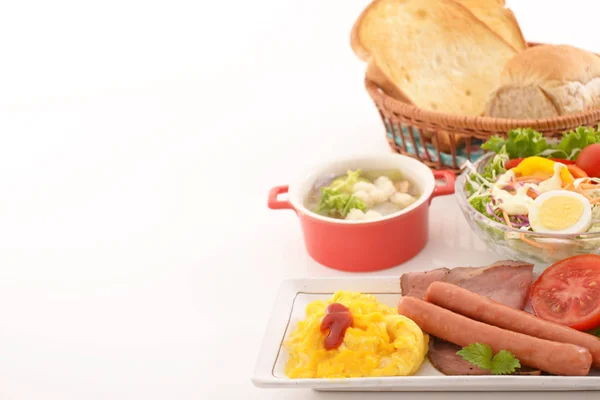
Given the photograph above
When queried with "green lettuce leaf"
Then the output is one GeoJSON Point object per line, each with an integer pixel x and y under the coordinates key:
{"type": "Point", "coordinates": [521, 142]}
{"type": "Point", "coordinates": [345, 184]}
{"type": "Point", "coordinates": [495, 167]}
{"type": "Point", "coordinates": [527, 142]}
{"type": "Point", "coordinates": [573, 142]}
{"type": "Point", "coordinates": [470, 187]}
{"type": "Point", "coordinates": [494, 144]}
{"type": "Point", "coordinates": [337, 199]}
{"type": "Point", "coordinates": [480, 203]}
{"type": "Point", "coordinates": [352, 203]}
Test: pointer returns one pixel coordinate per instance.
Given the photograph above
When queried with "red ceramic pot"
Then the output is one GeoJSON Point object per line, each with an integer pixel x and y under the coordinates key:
{"type": "Point", "coordinates": [359, 246]}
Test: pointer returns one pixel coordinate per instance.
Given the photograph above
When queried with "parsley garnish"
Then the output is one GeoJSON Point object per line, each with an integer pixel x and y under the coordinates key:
{"type": "Point", "coordinates": [480, 355]}
{"type": "Point", "coordinates": [595, 331]}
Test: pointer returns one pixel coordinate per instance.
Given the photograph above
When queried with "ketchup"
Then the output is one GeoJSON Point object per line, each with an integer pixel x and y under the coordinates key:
{"type": "Point", "coordinates": [336, 321]}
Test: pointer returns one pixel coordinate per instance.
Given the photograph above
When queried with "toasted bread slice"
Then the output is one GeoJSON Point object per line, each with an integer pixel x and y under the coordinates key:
{"type": "Point", "coordinates": [383, 82]}
{"type": "Point", "coordinates": [436, 53]}
{"type": "Point", "coordinates": [442, 140]}
{"type": "Point", "coordinates": [498, 18]}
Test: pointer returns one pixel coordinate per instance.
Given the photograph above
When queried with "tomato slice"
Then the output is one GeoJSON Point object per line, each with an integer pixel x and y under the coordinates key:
{"type": "Point", "coordinates": [568, 292]}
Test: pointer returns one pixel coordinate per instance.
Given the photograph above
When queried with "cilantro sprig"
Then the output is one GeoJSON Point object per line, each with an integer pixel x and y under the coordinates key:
{"type": "Point", "coordinates": [480, 355]}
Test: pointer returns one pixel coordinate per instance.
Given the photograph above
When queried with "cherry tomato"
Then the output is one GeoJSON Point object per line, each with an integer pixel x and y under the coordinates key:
{"type": "Point", "coordinates": [510, 164]}
{"type": "Point", "coordinates": [576, 171]}
{"type": "Point", "coordinates": [568, 292]}
{"type": "Point", "coordinates": [516, 161]}
{"type": "Point", "coordinates": [589, 160]}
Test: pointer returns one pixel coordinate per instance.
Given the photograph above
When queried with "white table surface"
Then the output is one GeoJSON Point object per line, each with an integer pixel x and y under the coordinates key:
{"type": "Point", "coordinates": [138, 140]}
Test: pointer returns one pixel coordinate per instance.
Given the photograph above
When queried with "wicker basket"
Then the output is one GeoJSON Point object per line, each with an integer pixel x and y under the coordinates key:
{"type": "Point", "coordinates": [413, 131]}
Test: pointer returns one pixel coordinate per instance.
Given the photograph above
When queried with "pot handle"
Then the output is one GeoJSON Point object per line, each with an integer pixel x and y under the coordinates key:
{"type": "Point", "coordinates": [275, 204]}
{"type": "Point", "coordinates": [448, 187]}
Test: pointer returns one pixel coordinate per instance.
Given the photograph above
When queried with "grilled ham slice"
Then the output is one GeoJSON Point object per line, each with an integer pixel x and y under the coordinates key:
{"type": "Point", "coordinates": [506, 282]}
{"type": "Point", "coordinates": [416, 283]}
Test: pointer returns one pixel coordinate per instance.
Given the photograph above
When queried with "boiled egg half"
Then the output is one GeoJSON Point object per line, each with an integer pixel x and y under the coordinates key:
{"type": "Point", "coordinates": [560, 211]}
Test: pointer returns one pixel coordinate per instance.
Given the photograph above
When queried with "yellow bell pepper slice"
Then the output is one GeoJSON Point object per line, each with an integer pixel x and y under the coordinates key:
{"type": "Point", "coordinates": [541, 167]}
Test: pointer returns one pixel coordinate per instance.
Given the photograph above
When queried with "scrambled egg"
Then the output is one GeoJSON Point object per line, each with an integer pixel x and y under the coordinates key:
{"type": "Point", "coordinates": [379, 343]}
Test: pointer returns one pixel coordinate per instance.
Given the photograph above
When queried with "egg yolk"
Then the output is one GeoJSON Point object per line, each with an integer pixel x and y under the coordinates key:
{"type": "Point", "coordinates": [560, 212]}
{"type": "Point", "coordinates": [379, 342]}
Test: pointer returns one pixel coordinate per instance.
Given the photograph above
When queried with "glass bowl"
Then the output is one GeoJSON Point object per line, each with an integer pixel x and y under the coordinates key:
{"type": "Point", "coordinates": [516, 244]}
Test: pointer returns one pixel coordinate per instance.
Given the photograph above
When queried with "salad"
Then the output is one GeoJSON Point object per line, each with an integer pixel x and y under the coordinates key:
{"type": "Point", "coordinates": [536, 185]}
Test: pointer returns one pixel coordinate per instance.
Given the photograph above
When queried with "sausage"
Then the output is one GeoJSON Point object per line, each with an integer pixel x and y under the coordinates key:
{"type": "Point", "coordinates": [553, 357]}
{"type": "Point", "coordinates": [482, 309]}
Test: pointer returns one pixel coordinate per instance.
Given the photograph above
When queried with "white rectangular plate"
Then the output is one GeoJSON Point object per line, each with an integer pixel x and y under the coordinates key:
{"type": "Point", "coordinates": [289, 308]}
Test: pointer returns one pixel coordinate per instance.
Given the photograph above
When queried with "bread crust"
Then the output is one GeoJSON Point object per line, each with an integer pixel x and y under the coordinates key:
{"type": "Point", "coordinates": [377, 76]}
{"type": "Point", "coordinates": [499, 19]}
{"type": "Point", "coordinates": [551, 63]}
{"type": "Point", "coordinates": [521, 103]}
{"type": "Point", "coordinates": [364, 53]}
{"type": "Point", "coordinates": [511, 15]}
{"type": "Point", "coordinates": [397, 37]}
{"type": "Point", "coordinates": [564, 76]}
{"type": "Point", "coordinates": [361, 51]}
{"type": "Point", "coordinates": [388, 78]}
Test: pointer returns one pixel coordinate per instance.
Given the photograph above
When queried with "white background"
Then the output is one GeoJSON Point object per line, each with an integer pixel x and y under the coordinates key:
{"type": "Point", "coordinates": [138, 140]}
